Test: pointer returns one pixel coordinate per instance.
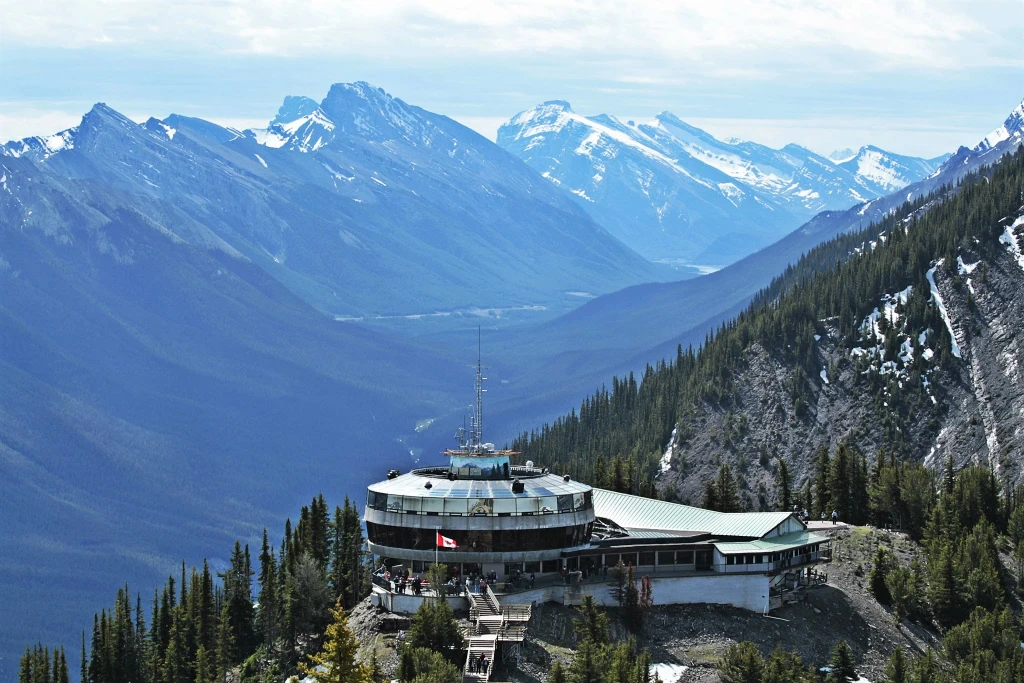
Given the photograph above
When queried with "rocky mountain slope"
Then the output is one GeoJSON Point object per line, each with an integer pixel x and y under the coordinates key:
{"type": "Point", "coordinates": [893, 387]}
{"type": "Point", "coordinates": [674, 192]}
{"type": "Point", "coordinates": [898, 337]}
{"type": "Point", "coordinates": [363, 206]}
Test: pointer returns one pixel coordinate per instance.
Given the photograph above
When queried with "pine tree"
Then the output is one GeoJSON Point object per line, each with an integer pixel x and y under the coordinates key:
{"type": "Point", "coordinates": [823, 496]}
{"type": "Point", "coordinates": [896, 668]}
{"type": "Point", "coordinates": [783, 486]}
{"type": "Point", "coordinates": [204, 667]}
{"type": "Point", "coordinates": [591, 622]}
{"type": "Point", "coordinates": [268, 613]}
{"type": "Point", "coordinates": [841, 664]}
{"type": "Point", "coordinates": [727, 492]}
{"type": "Point", "coordinates": [742, 663]}
{"type": "Point", "coordinates": [557, 674]}
{"type": "Point", "coordinates": [336, 661]}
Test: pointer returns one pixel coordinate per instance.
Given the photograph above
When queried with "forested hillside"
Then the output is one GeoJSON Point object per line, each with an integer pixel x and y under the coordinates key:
{"type": "Point", "coordinates": [260, 615]}
{"type": "Point", "coordinates": [898, 338]}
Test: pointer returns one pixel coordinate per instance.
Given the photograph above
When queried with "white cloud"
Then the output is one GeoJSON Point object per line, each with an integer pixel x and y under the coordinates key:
{"type": "Point", "coordinates": [26, 123]}
{"type": "Point", "coordinates": [647, 41]}
{"type": "Point", "coordinates": [485, 125]}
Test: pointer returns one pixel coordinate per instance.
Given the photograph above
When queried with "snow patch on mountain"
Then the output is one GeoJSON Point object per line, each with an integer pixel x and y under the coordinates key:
{"type": "Point", "coordinates": [1013, 127]}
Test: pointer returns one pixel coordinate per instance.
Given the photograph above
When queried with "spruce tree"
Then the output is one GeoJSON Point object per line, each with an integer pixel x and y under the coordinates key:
{"type": "Point", "coordinates": [896, 668]}
{"type": "Point", "coordinates": [336, 661]}
{"type": "Point", "coordinates": [783, 486]}
{"type": "Point", "coordinates": [841, 664]}
{"type": "Point", "coordinates": [742, 663]}
{"type": "Point", "coordinates": [727, 492]}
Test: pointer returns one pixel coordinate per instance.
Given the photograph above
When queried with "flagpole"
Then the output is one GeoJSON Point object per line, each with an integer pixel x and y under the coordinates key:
{"type": "Point", "coordinates": [437, 530]}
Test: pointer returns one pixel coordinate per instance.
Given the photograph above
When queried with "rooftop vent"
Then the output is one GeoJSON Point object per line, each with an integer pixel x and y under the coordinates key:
{"type": "Point", "coordinates": [393, 473]}
{"type": "Point", "coordinates": [565, 478]}
{"type": "Point", "coordinates": [529, 463]}
{"type": "Point", "coordinates": [428, 485]}
{"type": "Point", "coordinates": [517, 486]}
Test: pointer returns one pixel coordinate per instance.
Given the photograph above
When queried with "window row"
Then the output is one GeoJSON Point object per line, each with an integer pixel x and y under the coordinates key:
{"type": "Point", "coordinates": [499, 507]}
{"type": "Point", "coordinates": [481, 541]}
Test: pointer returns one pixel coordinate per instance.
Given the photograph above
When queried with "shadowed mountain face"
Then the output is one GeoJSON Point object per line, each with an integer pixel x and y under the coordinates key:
{"type": "Point", "coordinates": [161, 399]}
{"type": "Point", "coordinates": [674, 192]}
{"type": "Point", "coordinates": [171, 381]}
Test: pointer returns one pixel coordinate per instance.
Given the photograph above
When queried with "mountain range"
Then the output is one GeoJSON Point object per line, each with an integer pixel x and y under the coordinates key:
{"type": "Point", "coordinates": [362, 189]}
{"type": "Point", "coordinates": [674, 192]}
{"type": "Point", "coordinates": [174, 370]}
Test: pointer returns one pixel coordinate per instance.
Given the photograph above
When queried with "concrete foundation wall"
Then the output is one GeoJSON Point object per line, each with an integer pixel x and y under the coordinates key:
{"type": "Point", "coordinates": [748, 591]}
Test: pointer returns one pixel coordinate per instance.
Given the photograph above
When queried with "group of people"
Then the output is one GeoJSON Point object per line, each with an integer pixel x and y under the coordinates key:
{"type": "Point", "coordinates": [401, 582]}
{"type": "Point", "coordinates": [517, 579]}
{"type": "Point", "coordinates": [805, 516]}
{"type": "Point", "coordinates": [478, 664]}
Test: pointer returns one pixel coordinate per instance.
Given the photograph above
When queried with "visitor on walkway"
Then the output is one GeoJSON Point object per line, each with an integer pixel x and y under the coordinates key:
{"type": "Point", "coordinates": [835, 517]}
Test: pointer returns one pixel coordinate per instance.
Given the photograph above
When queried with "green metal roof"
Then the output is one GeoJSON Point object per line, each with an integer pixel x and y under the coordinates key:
{"type": "Point", "coordinates": [775, 544]}
{"type": "Point", "coordinates": [635, 512]}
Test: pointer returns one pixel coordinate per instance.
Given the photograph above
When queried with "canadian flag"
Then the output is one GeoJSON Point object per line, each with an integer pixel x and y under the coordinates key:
{"type": "Point", "coordinates": [445, 542]}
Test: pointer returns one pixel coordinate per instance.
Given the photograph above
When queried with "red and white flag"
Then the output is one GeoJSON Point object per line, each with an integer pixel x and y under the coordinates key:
{"type": "Point", "coordinates": [445, 542]}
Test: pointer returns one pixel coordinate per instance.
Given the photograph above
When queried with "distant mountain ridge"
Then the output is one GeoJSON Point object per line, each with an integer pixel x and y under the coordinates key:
{"type": "Point", "coordinates": [362, 188]}
{"type": "Point", "coordinates": [673, 191]}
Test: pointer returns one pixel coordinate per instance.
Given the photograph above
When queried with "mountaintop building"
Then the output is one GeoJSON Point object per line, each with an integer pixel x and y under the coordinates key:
{"type": "Point", "coordinates": [481, 515]}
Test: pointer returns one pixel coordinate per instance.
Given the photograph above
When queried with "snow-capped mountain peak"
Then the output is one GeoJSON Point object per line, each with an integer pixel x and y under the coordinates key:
{"type": "Point", "coordinates": [295, 107]}
{"type": "Point", "coordinates": [841, 155]}
{"type": "Point", "coordinates": [1013, 127]}
{"type": "Point", "coordinates": [39, 148]}
{"type": "Point", "coordinates": [678, 177]}
{"type": "Point", "coordinates": [350, 109]}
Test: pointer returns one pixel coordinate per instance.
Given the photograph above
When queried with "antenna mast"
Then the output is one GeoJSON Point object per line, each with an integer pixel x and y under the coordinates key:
{"type": "Point", "coordinates": [477, 425]}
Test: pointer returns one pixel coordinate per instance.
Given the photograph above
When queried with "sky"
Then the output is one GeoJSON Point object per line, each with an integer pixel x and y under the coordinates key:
{"type": "Point", "coordinates": [913, 77]}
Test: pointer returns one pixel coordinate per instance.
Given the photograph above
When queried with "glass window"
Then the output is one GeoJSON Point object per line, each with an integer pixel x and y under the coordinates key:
{"type": "Point", "coordinates": [526, 505]}
{"type": "Point", "coordinates": [369, 499]}
{"type": "Point", "coordinates": [730, 559]}
{"type": "Point", "coordinates": [572, 564]}
{"type": "Point", "coordinates": [611, 560]}
{"type": "Point", "coordinates": [456, 506]}
{"type": "Point", "coordinates": [411, 504]}
{"type": "Point", "coordinates": [432, 506]}
{"type": "Point", "coordinates": [481, 506]}
{"type": "Point", "coordinates": [547, 504]}
{"type": "Point", "coordinates": [629, 558]}
{"type": "Point", "coordinates": [551, 566]}
{"type": "Point", "coordinates": [666, 557]}
{"type": "Point", "coordinates": [565, 503]}
{"type": "Point", "coordinates": [588, 500]}
{"type": "Point", "coordinates": [578, 502]}
{"type": "Point", "coordinates": [512, 568]}
{"type": "Point", "coordinates": [504, 506]}
{"type": "Point", "coordinates": [532, 567]}
{"type": "Point", "coordinates": [647, 559]}
{"type": "Point", "coordinates": [394, 503]}
{"type": "Point", "coordinates": [685, 557]}
{"type": "Point", "coordinates": [380, 501]}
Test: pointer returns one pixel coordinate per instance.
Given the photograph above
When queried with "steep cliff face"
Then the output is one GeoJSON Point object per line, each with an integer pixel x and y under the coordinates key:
{"type": "Point", "coordinates": [955, 388]}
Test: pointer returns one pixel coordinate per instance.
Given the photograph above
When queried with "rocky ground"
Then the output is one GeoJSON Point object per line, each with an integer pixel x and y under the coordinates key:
{"type": "Point", "coordinates": [696, 636]}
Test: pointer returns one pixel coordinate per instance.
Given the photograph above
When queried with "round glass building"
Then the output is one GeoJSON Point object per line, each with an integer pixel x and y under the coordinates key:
{"type": "Point", "coordinates": [502, 517]}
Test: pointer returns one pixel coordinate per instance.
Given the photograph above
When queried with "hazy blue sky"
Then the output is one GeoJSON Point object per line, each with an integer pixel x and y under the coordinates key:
{"type": "Point", "coordinates": [914, 77]}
